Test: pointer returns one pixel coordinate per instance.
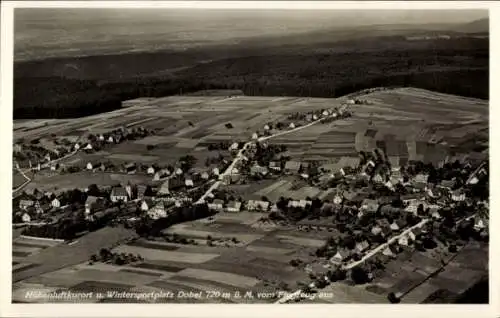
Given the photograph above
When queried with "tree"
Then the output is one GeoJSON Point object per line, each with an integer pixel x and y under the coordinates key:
{"type": "Point", "coordinates": [93, 190]}
{"type": "Point", "coordinates": [392, 298]}
{"type": "Point", "coordinates": [359, 275]}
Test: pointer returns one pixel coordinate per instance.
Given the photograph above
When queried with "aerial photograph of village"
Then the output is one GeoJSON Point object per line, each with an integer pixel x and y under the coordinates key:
{"type": "Point", "coordinates": [250, 156]}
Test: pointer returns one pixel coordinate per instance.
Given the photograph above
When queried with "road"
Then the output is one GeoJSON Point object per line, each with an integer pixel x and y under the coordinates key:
{"type": "Point", "coordinates": [28, 180]}
{"type": "Point", "coordinates": [240, 156]}
{"type": "Point", "coordinates": [370, 254]}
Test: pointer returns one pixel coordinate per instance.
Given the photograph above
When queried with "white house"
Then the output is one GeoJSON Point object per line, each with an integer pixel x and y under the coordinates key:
{"type": "Point", "coordinates": [88, 147]}
{"type": "Point", "coordinates": [458, 196]}
{"type": "Point", "coordinates": [110, 139]}
{"type": "Point", "coordinates": [337, 199]}
{"type": "Point", "coordinates": [55, 203]}
{"type": "Point", "coordinates": [178, 171]}
{"type": "Point", "coordinates": [394, 226]}
{"type": "Point", "coordinates": [146, 205]}
{"type": "Point", "coordinates": [266, 127]}
{"type": "Point", "coordinates": [24, 204]}
{"type": "Point", "coordinates": [292, 125]}
{"type": "Point", "coordinates": [158, 211]}
{"type": "Point", "coordinates": [326, 113]}
{"type": "Point", "coordinates": [233, 206]}
{"type": "Point", "coordinates": [217, 205]}
{"type": "Point", "coordinates": [189, 182]}
{"type": "Point", "coordinates": [479, 224]}
{"type": "Point", "coordinates": [257, 205]}
{"type": "Point", "coordinates": [77, 146]}
{"type": "Point", "coordinates": [234, 146]}
{"type": "Point", "coordinates": [215, 171]}
{"type": "Point", "coordinates": [255, 136]}
{"type": "Point", "coordinates": [150, 170]}
{"type": "Point", "coordinates": [119, 194]}
{"type": "Point", "coordinates": [89, 166]}
{"type": "Point", "coordinates": [26, 217]}
{"type": "Point", "coordinates": [403, 240]}
{"type": "Point", "coordinates": [388, 252]}
{"type": "Point", "coordinates": [101, 137]}
{"type": "Point", "coordinates": [204, 175]}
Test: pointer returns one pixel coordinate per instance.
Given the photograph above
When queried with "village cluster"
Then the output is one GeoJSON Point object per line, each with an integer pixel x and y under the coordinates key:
{"type": "Point", "coordinates": [375, 202]}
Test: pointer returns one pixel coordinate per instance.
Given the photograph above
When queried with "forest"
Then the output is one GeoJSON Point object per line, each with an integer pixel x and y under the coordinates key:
{"type": "Point", "coordinates": [458, 67]}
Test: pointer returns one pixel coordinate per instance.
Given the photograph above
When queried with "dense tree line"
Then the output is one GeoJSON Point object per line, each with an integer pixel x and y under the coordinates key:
{"type": "Point", "coordinates": [460, 70]}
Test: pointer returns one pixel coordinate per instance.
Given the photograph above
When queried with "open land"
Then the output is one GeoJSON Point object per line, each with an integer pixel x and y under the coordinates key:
{"type": "Point", "coordinates": [407, 121]}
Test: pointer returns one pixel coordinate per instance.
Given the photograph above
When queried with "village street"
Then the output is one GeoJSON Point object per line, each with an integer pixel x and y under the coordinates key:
{"type": "Point", "coordinates": [239, 156]}
{"type": "Point", "coordinates": [368, 255]}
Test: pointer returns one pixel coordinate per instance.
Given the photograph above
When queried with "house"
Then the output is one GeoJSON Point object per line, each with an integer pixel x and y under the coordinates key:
{"type": "Point", "coordinates": [188, 181]}
{"type": "Point", "coordinates": [92, 204]}
{"type": "Point", "coordinates": [394, 226]}
{"type": "Point", "coordinates": [233, 206]}
{"type": "Point", "coordinates": [24, 204]}
{"type": "Point", "coordinates": [401, 223]}
{"type": "Point", "coordinates": [266, 127]}
{"type": "Point", "coordinates": [436, 215]}
{"type": "Point", "coordinates": [234, 146]}
{"type": "Point", "coordinates": [299, 203]}
{"type": "Point", "coordinates": [369, 205]}
{"type": "Point", "coordinates": [447, 184]}
{"type": "Point", "coordinates": [338, 199]}
{"type": "Point", "coordinates": [26, 217]}
{"type": "Point", "coordinates": [147, 204]}
{"type": "Point", "coordinates": [325, 113]}
{"type": "Point", "coordinates": [275, 165]}
{"type": "Point", "coordinates": [42, 208]}
{"type": "Point", "coordinates": [414, 233]}
{"type": "Point", "coordinates": [255, 136]}
{"type": "Point", "coordinates": [157, 176]}
{"type": "Point", "coordinates": [458, 196]}
{"type": "Point", "coordinates": [258, 170]}
{"type": "Point", "coordinates": [130, 167]}
{"type": "Point", "coordinates": [292, 166]}
{"type": "Point", "coordinates": [204, 175]}
{"type": "Point", "coordinates": [388, 252]}
{"type": "Point", "coordinates": [215, 171]}
{"type": "Point", "coordinates": [376, 230]}
{"type": "Point", "coordinates": [479, 224]}
{"type": "Point", "coordinates": [341, 255]}
{"type": "Point", "coordinates": [291, 126]}
{"type": "Point", "coordinates": [172, 183]}
{"type": "Point", "coordinates": [151, 170]}
{"type": "Point", "coordinates": [89, 166]}
{"type": "Point", "coordinates": [217, 205]}
{"type": "Point", "coordinates": [362, 246]}
{"type": "Point", "coordinates": [257, 205]}
{"type": "Point", "coordinates": [158, 211]}
{"type": "Point", "coordinates": [378, 178]}
{"type": "Point", "coordinates": [111, 140]}
{"type": "Point", "coordinates": [141, 191]}
{"type": "Point", "coordinates": [88, 147]}
{"type": "Point", "coordinates": [55, 203]}
{"type": "Point", "coordinates": [403, 240]}
{"type": "Point", "coordinates": [119, 194]}
{"type": "Point", "coordinates": [77, 146]}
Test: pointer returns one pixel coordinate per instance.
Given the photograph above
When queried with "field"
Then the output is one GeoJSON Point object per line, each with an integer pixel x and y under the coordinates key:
{"type": "Point", "coordinates": [404, 121]}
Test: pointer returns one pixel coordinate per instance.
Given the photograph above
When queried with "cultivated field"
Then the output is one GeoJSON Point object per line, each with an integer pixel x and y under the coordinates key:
{"type": "Point", "coordinates": [409, 123]}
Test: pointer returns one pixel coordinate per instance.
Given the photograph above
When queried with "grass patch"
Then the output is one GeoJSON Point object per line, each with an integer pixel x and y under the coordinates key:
{"type": "Point", "coordinates": [154, 246]}
{"type": "Point", "coordinates": [165, 268]}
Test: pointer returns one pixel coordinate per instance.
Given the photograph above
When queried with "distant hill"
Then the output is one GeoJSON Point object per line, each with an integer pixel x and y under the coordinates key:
{"type": "Point", "coordinates": [477, 26]}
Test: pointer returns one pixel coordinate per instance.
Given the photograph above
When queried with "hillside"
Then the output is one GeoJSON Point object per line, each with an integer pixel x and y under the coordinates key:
{"type": "Point", "coordinates": [73, 87]}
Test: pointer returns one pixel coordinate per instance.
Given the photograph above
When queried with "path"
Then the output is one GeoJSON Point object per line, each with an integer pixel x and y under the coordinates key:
{"type": "Point", "coordinates": [370, 254]}
{"type": "Point", "coordinates": [240, 156]}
